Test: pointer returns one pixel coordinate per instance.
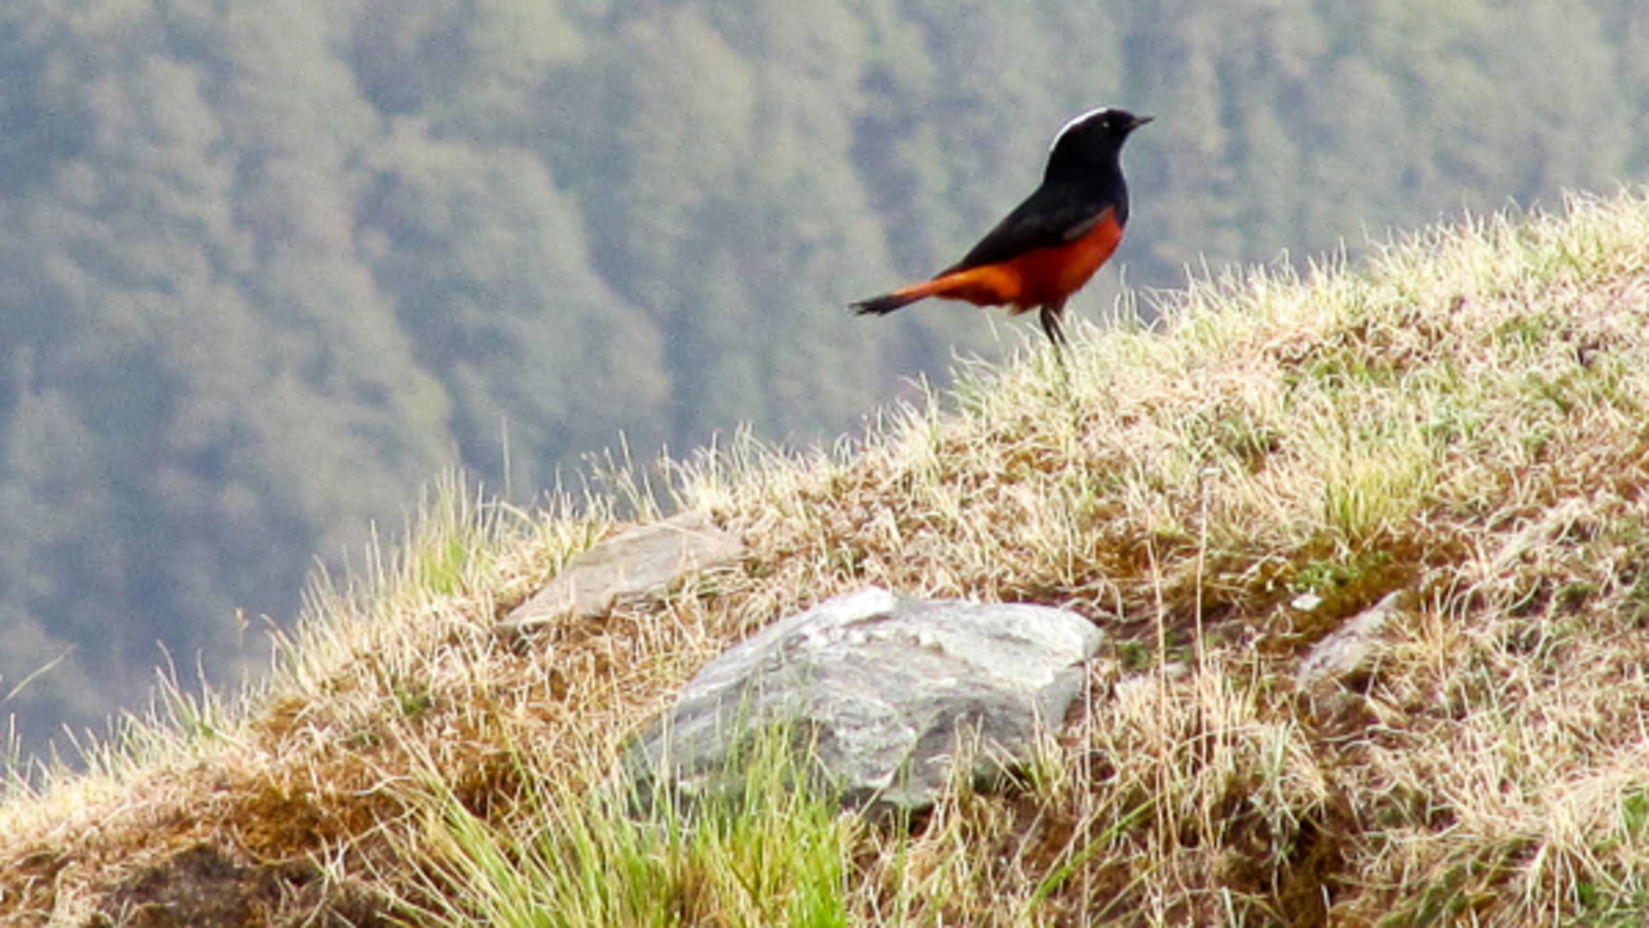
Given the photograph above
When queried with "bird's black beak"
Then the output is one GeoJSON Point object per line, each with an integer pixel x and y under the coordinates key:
{"type": "Point", "coordinates": [1140, 121]}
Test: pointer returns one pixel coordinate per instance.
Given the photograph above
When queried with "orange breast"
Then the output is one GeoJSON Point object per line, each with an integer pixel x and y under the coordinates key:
{"type": "Point", "coordinates": [1050, 275]}
{"type": "Point", "coordinates": [1035, 278]}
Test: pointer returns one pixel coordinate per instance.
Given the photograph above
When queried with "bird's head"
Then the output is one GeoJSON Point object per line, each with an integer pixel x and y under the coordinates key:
{"type": "Point", "coordinates": [1093, 140]}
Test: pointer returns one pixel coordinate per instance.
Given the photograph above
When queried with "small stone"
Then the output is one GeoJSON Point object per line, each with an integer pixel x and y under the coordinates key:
{"type": "Point", "coordinates": [1305, 602]}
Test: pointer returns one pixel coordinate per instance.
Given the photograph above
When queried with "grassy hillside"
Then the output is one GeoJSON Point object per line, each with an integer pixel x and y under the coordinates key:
{"type": "Point", "coordinates": [1463, 421]}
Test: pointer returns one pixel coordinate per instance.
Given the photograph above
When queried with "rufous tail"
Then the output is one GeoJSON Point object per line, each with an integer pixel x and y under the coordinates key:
{"type": "Point", "coordinates": [888, 302]}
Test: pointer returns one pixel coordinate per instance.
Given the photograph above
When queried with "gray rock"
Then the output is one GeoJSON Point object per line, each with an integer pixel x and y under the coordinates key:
{"type": "Point", "coordinates": [878, 689]}
{"type": "Point", "coordinates": [642, 562]}
{"type": "Point", "coordinates": [1348, 648]}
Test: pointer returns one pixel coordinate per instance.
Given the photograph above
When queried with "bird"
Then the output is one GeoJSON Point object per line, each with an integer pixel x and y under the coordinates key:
{"type": "Point", "coordinates": [1051, 244]}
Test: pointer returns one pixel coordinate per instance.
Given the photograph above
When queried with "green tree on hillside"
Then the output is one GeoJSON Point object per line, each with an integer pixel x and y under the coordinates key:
{"type": "Point", "coordinates": [487, 266]}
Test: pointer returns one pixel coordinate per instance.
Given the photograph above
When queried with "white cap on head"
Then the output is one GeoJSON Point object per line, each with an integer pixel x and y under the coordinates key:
{"type": "Point", "coordinates": [1076, 121]}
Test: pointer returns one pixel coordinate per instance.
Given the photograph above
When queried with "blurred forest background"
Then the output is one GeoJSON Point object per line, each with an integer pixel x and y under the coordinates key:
{"type": "Point", "coordinates": [269, 267]}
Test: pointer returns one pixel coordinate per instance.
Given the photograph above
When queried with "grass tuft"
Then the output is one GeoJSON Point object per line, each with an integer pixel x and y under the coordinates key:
{"type": "Point", "coordinates": [571, 856]}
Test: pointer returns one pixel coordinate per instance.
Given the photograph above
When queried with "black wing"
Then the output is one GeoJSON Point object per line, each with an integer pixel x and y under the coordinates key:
{"type": "Point", "coordinates": [1049, 217]}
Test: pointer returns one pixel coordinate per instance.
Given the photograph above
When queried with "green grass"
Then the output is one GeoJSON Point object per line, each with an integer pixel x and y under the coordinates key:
{"type": "Point", "coordinates": [571, 857]}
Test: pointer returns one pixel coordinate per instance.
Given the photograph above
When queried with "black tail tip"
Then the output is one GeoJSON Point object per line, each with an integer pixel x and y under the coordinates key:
{"type": "Point", "coordinates": [879, 305]}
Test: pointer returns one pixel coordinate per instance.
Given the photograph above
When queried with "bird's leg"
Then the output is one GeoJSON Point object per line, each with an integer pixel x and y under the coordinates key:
{"type": "Point", "coordinates": [1049, 317]}
{"type": "Point", "coordinates": [1050, 323]}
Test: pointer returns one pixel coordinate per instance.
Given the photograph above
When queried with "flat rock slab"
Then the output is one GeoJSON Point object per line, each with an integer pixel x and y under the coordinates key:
{"type": "Point", "coordinates": [1349, 648]}
{"type": "Point", "coordinates": [877, 689]}
{"type": "Point", "coordinates": [633, 565]}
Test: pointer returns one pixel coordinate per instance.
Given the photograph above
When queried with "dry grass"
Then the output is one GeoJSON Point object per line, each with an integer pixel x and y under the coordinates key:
{"type": "Point", "coordinates": [1463, 420]}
